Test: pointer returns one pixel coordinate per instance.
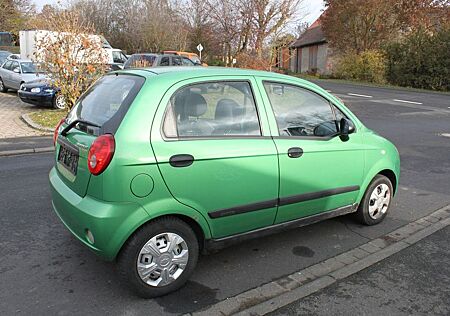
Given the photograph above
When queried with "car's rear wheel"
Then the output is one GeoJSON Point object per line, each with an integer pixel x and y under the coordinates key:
{"type": "Point", "coordinates": [59, 102]}
{"type": "Point", "coordinates": [159, 257]}
{"type": "Point", "coordinates": [2, 86]}
{"type": "Point", "coordinates": [376, 201]}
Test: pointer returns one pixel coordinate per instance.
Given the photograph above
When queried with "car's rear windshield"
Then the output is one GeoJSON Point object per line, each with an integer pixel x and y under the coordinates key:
{"type": "Point", "coordinates": [106, 102]}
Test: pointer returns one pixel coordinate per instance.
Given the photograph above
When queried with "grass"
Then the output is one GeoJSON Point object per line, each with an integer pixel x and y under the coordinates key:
{"type": "Point", "coordinates": [48, 118]}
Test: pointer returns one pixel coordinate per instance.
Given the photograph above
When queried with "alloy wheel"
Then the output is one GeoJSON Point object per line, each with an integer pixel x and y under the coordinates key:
{"type": "Point", "coordinates": [60, 102]}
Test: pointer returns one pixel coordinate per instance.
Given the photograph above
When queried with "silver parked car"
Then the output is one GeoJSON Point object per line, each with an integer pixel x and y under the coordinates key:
{"type": "Point", "coordinates": [14, 72]}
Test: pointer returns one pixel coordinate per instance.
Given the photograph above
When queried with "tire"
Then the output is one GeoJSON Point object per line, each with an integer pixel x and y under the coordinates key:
{"type": "Point", "coordinates": [157, 234]}
{"type": "Point", "coordinates": [376, 201]}
{"type": "Point", "coordinates": [58, 102]}
{"type": "Point", "coordinates": [2, 86]}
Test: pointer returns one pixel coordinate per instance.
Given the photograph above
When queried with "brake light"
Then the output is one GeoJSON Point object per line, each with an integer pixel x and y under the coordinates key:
{"type": "Point", "coordinates": [56, 132]}
{"type": "Point", "coordinates": [101, 153]}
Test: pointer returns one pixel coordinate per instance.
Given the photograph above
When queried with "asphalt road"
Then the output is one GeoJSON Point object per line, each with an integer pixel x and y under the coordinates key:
{"type": "Point", "coordinates": [415, 281]}
{"type": "Point", "coordinates": [44, 270]}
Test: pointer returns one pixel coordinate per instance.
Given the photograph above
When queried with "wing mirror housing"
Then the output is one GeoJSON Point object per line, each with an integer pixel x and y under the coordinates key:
{"type": "Point", "coordinates": [16, 70]}
{"type": "Point", "coordinates": [345, 129]}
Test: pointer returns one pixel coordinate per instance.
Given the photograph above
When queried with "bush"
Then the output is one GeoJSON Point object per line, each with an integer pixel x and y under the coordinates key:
{"type": "Point", "coordinates": [421, 60]}
{"type": "Point", "coordinates": [367, 66]}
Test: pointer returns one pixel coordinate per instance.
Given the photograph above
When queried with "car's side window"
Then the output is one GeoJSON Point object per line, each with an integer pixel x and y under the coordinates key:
{"type": "Point", "coordinates": [176, 61]}
{"type": "Point", "coordinates": [300, 112]}
{"type": "Point", "coordinates": [164, 61]}
{"type": "Point", "coordinates": [7, 65]}
{"type": "Point", "coordinates": [15, 65]}
{"type": "Point", "coordinates": [212, 109]}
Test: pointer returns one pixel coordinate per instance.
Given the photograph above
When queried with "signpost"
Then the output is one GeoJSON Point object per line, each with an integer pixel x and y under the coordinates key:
{"type": "Point", "coordinates": [200, 48]}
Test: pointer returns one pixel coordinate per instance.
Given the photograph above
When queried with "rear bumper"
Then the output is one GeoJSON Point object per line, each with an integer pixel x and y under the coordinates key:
{"type": "Point", "coordinates": [110, 223]}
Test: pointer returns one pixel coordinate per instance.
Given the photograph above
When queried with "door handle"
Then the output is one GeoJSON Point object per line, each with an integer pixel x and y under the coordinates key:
{"type": "Point", "coordinates": [295, 152]}
{"type": "Point", "coordinates": [182, 160]}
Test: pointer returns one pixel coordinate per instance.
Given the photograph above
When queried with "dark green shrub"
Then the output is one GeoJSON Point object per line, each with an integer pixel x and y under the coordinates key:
{"type": "Point", "coordinates": [367, 66]}
{"type": "Point", "coordinates": [421, 60]}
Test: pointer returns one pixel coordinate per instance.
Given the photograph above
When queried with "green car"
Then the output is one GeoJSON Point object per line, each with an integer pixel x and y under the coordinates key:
{"type": "Point", "coordinates": [154, 166]}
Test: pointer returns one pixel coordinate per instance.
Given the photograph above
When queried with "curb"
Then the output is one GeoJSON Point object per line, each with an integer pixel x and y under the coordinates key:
{"type": "Point", "coordinates": [283, 291]}
{"type": "Point", "coordinates": [26, 118]}
{"type": "Point", "coordinates": [26, 151]}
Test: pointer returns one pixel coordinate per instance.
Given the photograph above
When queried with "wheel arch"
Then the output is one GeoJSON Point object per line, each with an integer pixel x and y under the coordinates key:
{"type": "Point", "coordinates": [202, 233]}
{"type": "Point", "coordinates": [383, 169]}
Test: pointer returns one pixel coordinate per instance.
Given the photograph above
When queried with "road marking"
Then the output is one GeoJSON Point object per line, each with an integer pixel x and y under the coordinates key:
{"type": "Point", "coordinates": [329, 91]}
{"type": "Point", "coordinates": [405, 101]}
{"type": "Point", "coordinates": [360, 95]}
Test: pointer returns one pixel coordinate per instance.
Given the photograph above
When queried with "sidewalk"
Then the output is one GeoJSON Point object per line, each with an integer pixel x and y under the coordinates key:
{"type": "Point", "coordinates": [25, 145]}
{"type": "Point", "coordinates": [415, 281]}
{"type": "Point", "coordinates": [11, 110]}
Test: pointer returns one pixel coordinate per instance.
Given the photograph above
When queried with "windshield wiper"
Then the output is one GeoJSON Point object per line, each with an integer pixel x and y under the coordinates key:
{"type": "Point", "coordinates": [72, 124]}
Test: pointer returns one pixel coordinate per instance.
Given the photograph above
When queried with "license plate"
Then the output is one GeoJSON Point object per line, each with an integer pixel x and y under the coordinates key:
{"type": "Point", "coordinates": [68, 157]}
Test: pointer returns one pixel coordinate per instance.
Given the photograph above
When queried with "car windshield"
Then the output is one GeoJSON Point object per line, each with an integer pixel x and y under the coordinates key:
{"type": "Point", "coordinates": [29, 68]}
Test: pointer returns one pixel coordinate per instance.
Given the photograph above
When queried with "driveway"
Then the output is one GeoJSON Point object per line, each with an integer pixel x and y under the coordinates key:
{"type": "Point", "coordinates": [11, 110]}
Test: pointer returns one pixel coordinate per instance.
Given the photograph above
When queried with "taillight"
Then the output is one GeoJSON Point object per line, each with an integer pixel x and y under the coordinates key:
{"type": "Point", "coordinates": [55, 133]}
{"type": "Point", "coordinates": [101, 153]}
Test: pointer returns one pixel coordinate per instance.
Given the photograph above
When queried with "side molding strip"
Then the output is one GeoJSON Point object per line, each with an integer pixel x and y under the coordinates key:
{"type": "Point", "coordinates": [214, 244]}
{"type": "Point", "coordinates": [280, 202]}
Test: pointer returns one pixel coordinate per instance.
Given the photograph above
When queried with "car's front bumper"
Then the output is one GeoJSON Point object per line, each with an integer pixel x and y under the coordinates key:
{"type": "Point", "coordinates": [36, 98]}
{"type": "Point", "coordinates": [111, 223]}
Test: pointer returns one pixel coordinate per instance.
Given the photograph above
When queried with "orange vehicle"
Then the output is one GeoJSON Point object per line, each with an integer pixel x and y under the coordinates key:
{"type": "Point", "coordinates": [192, 56]}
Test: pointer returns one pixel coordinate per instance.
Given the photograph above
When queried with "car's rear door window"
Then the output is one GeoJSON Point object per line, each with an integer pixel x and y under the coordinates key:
{"type": "Point", "coordinates": [212, 109]}
{"type": "Point", "coordinates": [106, 102]}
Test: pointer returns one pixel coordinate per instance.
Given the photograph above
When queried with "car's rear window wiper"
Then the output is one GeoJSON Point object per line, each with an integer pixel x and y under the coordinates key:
{"type": "Point", "coordinates": [72, 124]}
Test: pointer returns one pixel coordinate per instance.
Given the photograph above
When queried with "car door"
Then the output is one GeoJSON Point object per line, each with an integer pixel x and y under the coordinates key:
{"type": "Point", "coordinates": [319, 171]}
{"type": "Point", "coordinates": [6, 73]}
{"type": "Point", "coordinates": [212, 143]}
{"type": "Point", "coordinates": [15, 75]}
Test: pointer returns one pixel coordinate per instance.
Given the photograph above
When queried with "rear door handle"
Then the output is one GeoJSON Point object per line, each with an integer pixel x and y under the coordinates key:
{"type": "Point", "coordinates": [295, 152]}
{"type": "Point", "coordinates": [183, 160]}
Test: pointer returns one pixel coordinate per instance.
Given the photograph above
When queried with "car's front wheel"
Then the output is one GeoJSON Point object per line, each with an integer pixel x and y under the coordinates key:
{"type": "Point", "coordinates": [59, 102]}
{"type": "Point", "coordinates": [376, 201]}
{"type": "Point", "coordinates": [159, 257]}
{"type": "Point", "coordinates": [2, 86]}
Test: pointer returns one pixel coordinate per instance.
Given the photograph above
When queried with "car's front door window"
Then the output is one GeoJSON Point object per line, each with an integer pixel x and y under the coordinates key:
{"type": "Point", "coordinates": [212, 109]}
{"type": "Point", "coordinates": [300, 112]}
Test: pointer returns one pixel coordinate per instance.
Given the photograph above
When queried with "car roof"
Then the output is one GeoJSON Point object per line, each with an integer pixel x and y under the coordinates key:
{"type": "Point", "coordinates": [187, 72]}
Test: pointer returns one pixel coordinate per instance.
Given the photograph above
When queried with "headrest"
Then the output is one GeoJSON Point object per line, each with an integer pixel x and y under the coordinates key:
{"type": "Point", "coordinates": [195, 105]}
{"type": "Point", "coordinates": [228, 109]}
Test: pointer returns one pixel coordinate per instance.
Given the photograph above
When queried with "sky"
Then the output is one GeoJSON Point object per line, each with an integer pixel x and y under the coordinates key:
{"type": "Point", "coordinates": [310, 7]}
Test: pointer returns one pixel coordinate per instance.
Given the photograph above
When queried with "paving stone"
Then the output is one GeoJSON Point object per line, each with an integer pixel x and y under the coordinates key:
{"type": "Point", "coordinates": [302, 277]}
{"type": "Point", "coordinates": [11, 110]}
{"type": "Point", "coordinates": [271, 289]}
{"type": "Point", "coordinates": [288, 283]}
{"type": "Point", "coordinates": [358, 253]}
{"type": "Point", "coordinates": [346, 258]}
{"type": "Point", "coordinates": [380, 243]}
{"type": "Point", "coordinates": [369, 248]}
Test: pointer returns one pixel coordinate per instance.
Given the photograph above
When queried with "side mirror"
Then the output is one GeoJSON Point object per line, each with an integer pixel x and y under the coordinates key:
{"type": "Point", "coordinates": [16, 70]}
{"type": "Point", "coordinates": [345, 128]}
